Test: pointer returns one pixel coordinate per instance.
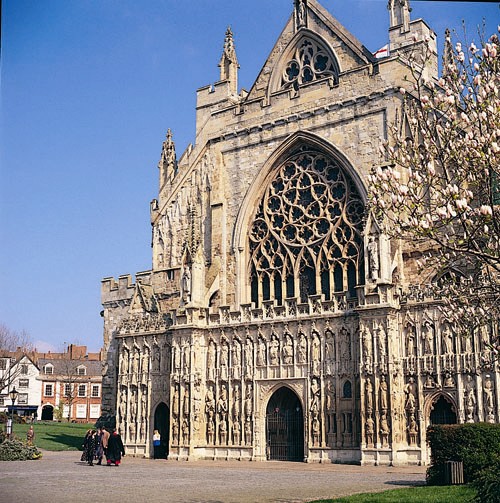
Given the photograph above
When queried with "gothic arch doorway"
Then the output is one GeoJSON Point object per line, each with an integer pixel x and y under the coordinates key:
{"type": "Point", "coordinates": [442, 412]}
{"type": "Point", "coordinates": [162, 424]}
{"type": "Point", "coordinates": [285, 426]}
{"type": "Point", "coordinates": [47, 413]}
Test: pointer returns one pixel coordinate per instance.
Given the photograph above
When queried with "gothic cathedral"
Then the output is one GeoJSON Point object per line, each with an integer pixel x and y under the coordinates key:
{"type": "Point", "coordinates": [277, 321]}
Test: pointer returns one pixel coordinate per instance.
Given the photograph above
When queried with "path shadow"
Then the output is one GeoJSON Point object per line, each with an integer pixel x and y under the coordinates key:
{"type": "Point", "coordinates": [406, 483]}
{"type": "Point", "coordinates": [67, 440]}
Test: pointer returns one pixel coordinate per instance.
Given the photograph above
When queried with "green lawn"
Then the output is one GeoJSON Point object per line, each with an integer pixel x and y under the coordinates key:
{"type": "Point", "coordinates": [53, 436]}
{"type": "Point", "coordinates": [420, 494]}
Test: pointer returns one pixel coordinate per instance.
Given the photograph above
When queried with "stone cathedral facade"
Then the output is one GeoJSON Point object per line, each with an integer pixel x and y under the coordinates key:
{"type": "Point", "coordinates": [277, 321]}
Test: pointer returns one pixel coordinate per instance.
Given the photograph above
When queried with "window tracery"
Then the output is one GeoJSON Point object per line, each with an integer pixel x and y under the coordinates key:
{"type": "Point", "coordinates": [306, 237]}
{"type": "Point", "coordinates": [310, 61]}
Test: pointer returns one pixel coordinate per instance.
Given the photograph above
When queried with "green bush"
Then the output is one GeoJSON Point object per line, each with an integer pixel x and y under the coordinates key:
{"type": "Point", "coordinates": [15, 450]}
{"type": "Point", "coordinates": [487, 483]}
{"type": "Point", "coordinates": [475, 444]}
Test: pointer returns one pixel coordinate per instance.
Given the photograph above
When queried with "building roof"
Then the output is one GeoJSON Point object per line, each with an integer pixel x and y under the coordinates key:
{"type": "Point", "coordinates": [68, 367]}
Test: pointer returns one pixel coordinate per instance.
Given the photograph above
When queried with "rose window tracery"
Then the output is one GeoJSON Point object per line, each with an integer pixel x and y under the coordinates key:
{"type": "Point", "coordinates": [309, 62]}
{"type": "Point", "coordinates": [306, 235]}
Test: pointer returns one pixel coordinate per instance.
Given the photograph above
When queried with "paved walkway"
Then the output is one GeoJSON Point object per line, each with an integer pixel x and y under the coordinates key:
{"type": "Point", "coordinates": [60, 477]}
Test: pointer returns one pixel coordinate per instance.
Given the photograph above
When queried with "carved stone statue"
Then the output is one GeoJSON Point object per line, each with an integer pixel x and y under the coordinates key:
{"type": "Point", "coordinates": [222, 404]}
{"type": "Point", "coordinates": [249, 353]}
{"type": "Point", "coordinates": [412, 430]}
{"type": "Point", "coordinates": [274, 351]}
{"type": "Point", "coordinates": [384, 429]}
{"type": "Point", "coordinates": [428, 338]}
{"type": "Point", "coordinates": [410, 340]}
{"type": "Point", "coordinates": [369, 430]}
{"type": "Point", "coordinates": [383, 393]}
{"type": "Point", "coordinates": [288, 350]}
{"type": "Point", "coordinates": [315, 395]}
{"type": "Point", "coordinates": [302, 349]}
{"type": "Point", "coordinates": [248, 403]}
{"type": "Point", "coordinates": [411, 395]}
{"type": "Point", "coordinates": [300, 10]}
{"type": "Point", "coordinates": [489, 403]}
{"type": "Point", "coordinates": [261, 352]}
{"type": "Point", "coordinates": [470, 399]}
{"type": "Point", "coordinates": [186, 285]}
{"type": "Point", "coordinates": [447, 339]}
{"type": "Point", "coordinates": [373, 258]}
{"type": "Point", "coordinates": [224, 354]}
{"type": "Point", "coordinates": [369, 396]}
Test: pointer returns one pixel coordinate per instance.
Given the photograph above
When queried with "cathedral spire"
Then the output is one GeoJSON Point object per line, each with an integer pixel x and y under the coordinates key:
{"type": "Point", "coordinates": [229, 62]}
{"type": "Point", "coordinates": [168, 160]}
{"type": "Point", "coordinates": [399, 11]}
{"type": "Point", "coordinates": [449, 66]}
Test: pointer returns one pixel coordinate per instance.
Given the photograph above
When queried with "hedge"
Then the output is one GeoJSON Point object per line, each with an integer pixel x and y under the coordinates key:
{"type": "Point", "coordinates": [477, 445]}
{"type": "Point", "coordinates": [15, 450]}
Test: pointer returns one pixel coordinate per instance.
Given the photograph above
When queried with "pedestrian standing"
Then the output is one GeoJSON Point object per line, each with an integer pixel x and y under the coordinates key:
{"type": "Point", "coordinates": [115, 449]}
{"type": "Point", "coordinates": [156, 444]}
{"type": "Point", "coordinates": [104, 441]}
{"type": "Point", "coordinates": [99, 450]}
{"type": "Point", "coordinates": [89, 447]}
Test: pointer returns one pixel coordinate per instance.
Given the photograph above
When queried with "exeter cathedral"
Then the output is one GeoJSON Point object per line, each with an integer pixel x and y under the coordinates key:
{"type": "Point", "coordinates": [277, 321]}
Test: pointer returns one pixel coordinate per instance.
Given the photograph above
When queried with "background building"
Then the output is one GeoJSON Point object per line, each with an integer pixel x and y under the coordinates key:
{"type": "Point", "coordinates": [278, 321]}
{"type": "Point", "coordinates": [53, 386]}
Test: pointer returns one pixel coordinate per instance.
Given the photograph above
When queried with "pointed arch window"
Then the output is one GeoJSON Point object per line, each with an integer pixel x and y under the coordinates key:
{"type": "Point", "coordinates": [309, 62]}
{"type": "Point", "coordinates": [306, 237]}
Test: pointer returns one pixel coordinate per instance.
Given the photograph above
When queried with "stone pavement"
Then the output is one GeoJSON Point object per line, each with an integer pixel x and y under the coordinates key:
{"type": "Point", "coordinates": [60, 477]}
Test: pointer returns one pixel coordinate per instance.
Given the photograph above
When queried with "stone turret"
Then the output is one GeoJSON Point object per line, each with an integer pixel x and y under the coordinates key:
{"type": "Point", "coordinates": [229, 63]}
{"type": "Point", "coordinates": [408, 37]}
{"type": "Point", "coordinates": [399, 14]}
{"type": "Point", "coordinates": [168, 160]}
{"type": "Point", "coordinates": [449, 66]}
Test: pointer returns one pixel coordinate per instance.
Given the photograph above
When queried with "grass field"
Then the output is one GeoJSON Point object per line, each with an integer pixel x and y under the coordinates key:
{"type": "Point", "coordinates": [53, 436]}
{"type": "Point", "coordinates": [421, 494]}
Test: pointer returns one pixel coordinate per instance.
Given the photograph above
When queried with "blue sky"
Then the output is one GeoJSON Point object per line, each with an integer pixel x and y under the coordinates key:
{"type": "Point", "coordinates": [89, 88]}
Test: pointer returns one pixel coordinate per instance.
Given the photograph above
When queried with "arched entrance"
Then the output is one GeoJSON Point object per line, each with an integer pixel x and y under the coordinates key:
{"type": "Point", "coordinates": [162, 424]}
{"type": "Point", "coordinates": [47, 413]}
{"type": "Point", "coordinates": [285, 427]}
{"type": "Point", "coordinates": [442, 412]}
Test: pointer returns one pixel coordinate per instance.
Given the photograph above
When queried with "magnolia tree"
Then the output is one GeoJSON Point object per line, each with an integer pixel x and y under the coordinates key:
{"type": "Point", "coordinates": [438, 188]}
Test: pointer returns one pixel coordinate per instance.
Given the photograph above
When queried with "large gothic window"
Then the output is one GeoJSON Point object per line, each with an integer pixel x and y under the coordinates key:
{"type": "Point", "coordinates": [306, 238]}
{"type": "Point", "coordinates": [310, 61]}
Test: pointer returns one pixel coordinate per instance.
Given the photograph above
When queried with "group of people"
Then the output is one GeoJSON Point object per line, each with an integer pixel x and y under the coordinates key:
{"type": "Point", "coordinates": [100, 443]}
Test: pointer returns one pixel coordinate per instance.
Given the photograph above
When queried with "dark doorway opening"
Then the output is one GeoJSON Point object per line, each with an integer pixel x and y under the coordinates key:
{"type": "Point", "coordinates": [285, 427]}
{"type": "Point", "coordinates": [442, 412]}
{"type": "Point", "coordinates": [162, 424]}
{"type": "Point", "coordinates": [47, 413]}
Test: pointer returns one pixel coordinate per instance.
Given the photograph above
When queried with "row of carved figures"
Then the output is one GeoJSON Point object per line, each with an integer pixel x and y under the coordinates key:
{"type": "Point", "coordinates": [133, 413]}
{"type": "Point", "coordinates": [380, 402]}
{"type": "Point", "coordinates": [426, 339]}
{"type": "Point", "coordinates": [226, 417]}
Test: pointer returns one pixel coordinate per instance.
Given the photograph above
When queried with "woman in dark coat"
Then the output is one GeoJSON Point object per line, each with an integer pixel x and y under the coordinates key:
{"type": "Point", "coordinates": [89, 447]}
{"type": "Point", "coordinates": [115, 449]}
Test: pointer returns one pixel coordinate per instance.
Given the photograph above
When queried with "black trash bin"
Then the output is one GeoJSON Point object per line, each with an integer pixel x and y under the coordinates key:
{"type": "Point", "coordinates": [453, 473]}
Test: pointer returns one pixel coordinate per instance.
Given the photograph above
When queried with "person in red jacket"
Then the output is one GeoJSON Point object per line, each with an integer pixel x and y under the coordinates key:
{"type": "Point", "coordinates": [115, 449]}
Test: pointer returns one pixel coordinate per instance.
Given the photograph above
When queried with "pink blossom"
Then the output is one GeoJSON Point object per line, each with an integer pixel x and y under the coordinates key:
{"type": "Point", "coordinates": [486, 210]}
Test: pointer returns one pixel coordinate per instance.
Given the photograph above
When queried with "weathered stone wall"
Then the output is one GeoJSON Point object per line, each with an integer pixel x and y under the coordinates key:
{"type": "Point", "coordinates": [369, 370]}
